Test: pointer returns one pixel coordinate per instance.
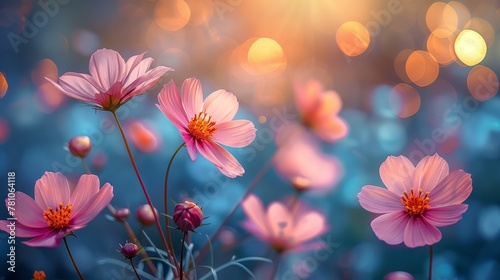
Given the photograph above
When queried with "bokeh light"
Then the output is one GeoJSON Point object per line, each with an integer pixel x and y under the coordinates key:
{"type": "Point", "coordinates": [201, 11]}
{"type": "Point", "coordinates": [3, 85]}
{"type": "Point", "coordinates": [400, 64]}
{"type": "Point", "coordinates": [422, 68]}
{"type": "Point", "coordinates": [482, 27]}
{"type": "Point", "coordinates": [142, 137]}
{"type": "Point", "coordinates": [441, 48]}
{"type": "Point", "coordinates": [266, 56]}
{"type": "Point", "coordinates": [404, 100]}
{"type": "Point", "coordinates": [44, 68]}
{"type": "Point", "coordinates": [442, 19]}
{"type": "Point", "coordinates": [4, 130]}
{"type": "Point", "coordinates": [172, 15]}
{"type": "Point", "coordinates": [470, 47]}
{"type": "Point", "coordinates": [352, 38]}
{"type": "Point", "coordinates": [482, 83]}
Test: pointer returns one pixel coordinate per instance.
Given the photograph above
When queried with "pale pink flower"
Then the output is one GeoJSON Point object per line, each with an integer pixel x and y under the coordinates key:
{"type": "Point", "coordinates": [204, 124]}
{"type": "Point", "coordinates": [319, 110]}
{"type": "Point", "coordinates": [301, 163]}
{"type": "Point", "coordinates": [112, 81]}
{"type": "Point", "coordinates": [56, 211]}
{"type": "Point", "coordinates": [283, 229]}
{"type": "Point", "coordinates": [416, 201]}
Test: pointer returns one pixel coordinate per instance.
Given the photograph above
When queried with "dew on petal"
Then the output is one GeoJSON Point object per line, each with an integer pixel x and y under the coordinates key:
{"type": "Point", "coordinates": [352, 38]}
{"type": "Point", "coordinates": [482, 83]}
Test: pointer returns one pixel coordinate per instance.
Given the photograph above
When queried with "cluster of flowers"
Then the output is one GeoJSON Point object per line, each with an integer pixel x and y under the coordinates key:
{"type": "Point", "coordinates": [417, 199]}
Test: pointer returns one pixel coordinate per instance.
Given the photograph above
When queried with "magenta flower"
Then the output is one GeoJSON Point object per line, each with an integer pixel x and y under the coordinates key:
{"type": "Point", "coordinates": [187, 216]}
{"type": "Point", "coordinates": [282, 229]}
{"type": "Point", "coordinates": [416, 201]}
{"type": "Point", "coordinates": [112, 81]}
{"type": "Point", "coordinates": [319, 110]}
{"type": "Point", "coordinates": [204, 124]}
{"type": "Point", "coordinates": [56, 211]}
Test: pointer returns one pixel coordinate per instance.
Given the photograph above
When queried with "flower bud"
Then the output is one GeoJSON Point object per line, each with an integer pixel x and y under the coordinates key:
{"type": "Point", "coordinates": [300, 184]}
{"type": "Point", "coordinates": [398, 275]}
{"type": "Point", "coordinates": [122, 214]}
{"type": "Point", "coordinates": [130, 250]}
{"type": "Point", "coordinates": [187, 216]}
{"type": "Point", "coordinates": [145, 215]}
{"type": "Point", "coordinates": [79, 146]}
{"type": "Point", "coordinates": [39, 275]}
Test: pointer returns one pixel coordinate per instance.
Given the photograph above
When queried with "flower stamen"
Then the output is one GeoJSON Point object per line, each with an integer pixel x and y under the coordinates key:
{"type": "Point", "coordinates": [415, 203]}
{"type": "Point", "coordinates": [59, 218]}
{"type": "Point", "coordinates": [201, 127]}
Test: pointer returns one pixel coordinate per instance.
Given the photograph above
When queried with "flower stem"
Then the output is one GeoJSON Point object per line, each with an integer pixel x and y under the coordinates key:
{"type": "Point", "coordinates": [430, 262]}
{"type": "Point", "coordinates": [134, 165]}
{"type": "Point", "coordinates": [133, 267]}
{"type": "Point", "coordinates": [73, 260]}
{"type": "Point", "coordinates": [165, 198]}
{"type": "Point", "coordinates": [86, 167]}
{"type": "Point", "coordinates": [182, 254]}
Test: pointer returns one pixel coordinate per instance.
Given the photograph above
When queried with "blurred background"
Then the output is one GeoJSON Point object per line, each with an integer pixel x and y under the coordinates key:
{"type": "Point", "coordinates": [415, 78]}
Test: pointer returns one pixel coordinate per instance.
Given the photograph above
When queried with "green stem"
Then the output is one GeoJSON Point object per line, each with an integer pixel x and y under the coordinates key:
{"type": "Point", "coordinates": [133, 267]}
{"type": "Point", "coordinates": [171, 255]}
{"type": "Point", "coordinates": [184, 233]}
{"type": "Point", "coordinates": [165, 199]}
{"type": "Point", "coordinates": [73, 260]}
{"type": "Point", "coordinates": [430, 262]}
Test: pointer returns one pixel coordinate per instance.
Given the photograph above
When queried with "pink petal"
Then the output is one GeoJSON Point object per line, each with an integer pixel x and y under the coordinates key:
{"type": "Point", "coordinates": [279, 220]}
{"type": "Point", "coordinates": [145, 81]}
{"type": "Point", "coordinates": [192, 97]}
{"type": "Point", "coordinates": [51, 189]}
{"type": "Point", "coordinates": [379, 200]}
{"type": "Point", "coordinates": [307, 96]}
{"type": "Point", "coordinates": [78, 86]}
{"type": "Point", "coordinates": [171, 105]}
{"type": "Point", "coordinates": [87, 187]}
{"type": "Point", "coordinates": [190, 145]}
{"type": "Point", "coordinates": [50, 240]}
{"type": "Point", "coordinates": [238, 133]}
{"type": "Point", "coordinates": [444, 216]}
{"type": "Point", "coordinates": [28, 212]}
{"type": "Point", "coordinates": [135, 73]}
{"type": "Point", "coordinates": [429, 172]}
{"type": "Point", "coordinates": [419, 232]}
{"type": "Point", "coordinates": [24, 231]}
{"type": "Point", "coordinates": [107, 67]}
{"type": "Point", "coordinates": [329, 104]}
{"type": "Point", "coordinates": [309, 226]}
{"type": "Point", "coordinates": [221, 106]}
{"type": "Point", "coordinates": [133, 61]}
{"type": "Point", "coordinates": [390, 227]}
{"type": "Point", "coordinates": [253, 229]}
{"type": "Point", "coordinates": [254, 210]}
{"type": "Point", "coordinates": [454, 189]}
{"type": "Point", "coordinates": [93, 206]}
{"type": "Point", "coordinates": [331, 129]}
{"type": "Point", "coordinates": [311, 246]}
{"type": "Point", "coordinates": [223, 160]}
{"type": "Point", "coordinates": [397, 174]}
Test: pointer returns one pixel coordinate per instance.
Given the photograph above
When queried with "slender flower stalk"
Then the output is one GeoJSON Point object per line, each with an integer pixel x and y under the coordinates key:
{"type": "Point", "coordinates": [171, 255]}
{"type": "Point", "coordinates": [135, 270]}
{"type": "Point", "coordinates": [72, 259]}
{"type": "Point", "coordinates": [430, 262]}
{"type": "Point", "coordinates": [184, 234]}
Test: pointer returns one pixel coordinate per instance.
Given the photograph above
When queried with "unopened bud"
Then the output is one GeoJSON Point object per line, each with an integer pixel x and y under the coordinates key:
{"type": "Point", "coordinates": [145, 215]}
{"type": "Point", "coordinates": [130, 250]}
{"type": "Point", "coordinates": [187, 216]}
{"type": "Point", "coordinates": [398, 275]}
{"type": "Point", "coordinates": [122, 214]}
{"type": "Point", "coordinates": [80, 146]}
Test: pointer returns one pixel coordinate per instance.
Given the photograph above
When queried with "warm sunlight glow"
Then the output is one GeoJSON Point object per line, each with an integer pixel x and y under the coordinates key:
{"type": "Point", "coordinates": [470, 47]}
{"type": "Point", "coordinates": [172, 15]}
{"type": "Point", "coordinates": [352, 38]}
{"type": "Point", "coordinates": [266, 56]}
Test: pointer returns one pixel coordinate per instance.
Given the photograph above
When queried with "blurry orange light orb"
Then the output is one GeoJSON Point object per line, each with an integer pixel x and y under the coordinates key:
{"type": "Point", "coordinates": [3, 85]}
{"type": "Point", "coordinates": [470, 47]}
{"type": "Point", "coordinates": [266, 56]}
{"type": "Point", "coordinates": [422, 68]}
{"type": "Point", "coordinates": [482, 83]}
{"type": "Point", "coordinates": [352, 38]}
{"type": "Point", "coordinates": [172, 15]}
{"type": "Point", "coordinates": [404, 100]}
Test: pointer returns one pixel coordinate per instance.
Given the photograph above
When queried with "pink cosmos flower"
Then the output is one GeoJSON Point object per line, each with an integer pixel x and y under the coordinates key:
{"type": "Point", "coordinates": [300, 162]}
{"type": "Point", "coordinates": [319, 110]}
{"type": "Point", "coordinates": [112, 81]}
{"type": "Point", "coordinates": [56, 211]}
{"type": "Point", "coordinates": [416, 201]}
{"type": "Point", "coordinates": [204, 124]}
{"type": "Point", "coordinates": [282, 229]}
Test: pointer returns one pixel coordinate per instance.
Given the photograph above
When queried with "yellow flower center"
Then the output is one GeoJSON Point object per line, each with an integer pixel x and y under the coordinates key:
{"type": "Point", "coordinates": [201, 127]}
{"type": "Point", "coordinates": [59, 218]}
{"type": "Point", "coordinates": [415, 203]}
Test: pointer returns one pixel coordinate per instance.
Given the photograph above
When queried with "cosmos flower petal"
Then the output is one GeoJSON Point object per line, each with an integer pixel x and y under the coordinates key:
{"type": "Point", "coordinates": [93, 206]}
{"type": "Point", "coordinates": [308, 226]}
{"type": "Point", "coordinates": [307, 95]}
{"type": "Point", "coordinates": [107, 67]}
{"type": "Point", "coordinates": [379, 200]}
{"type": "Point", "coordinates": [78, 86]}
{"type": "Point", "coordinates": [419, 232]}
{"type": "Point", "coordinates": [171, 105]}
{"type": "Point", "coordinates": [133, 61]}
{"type": "Point", "coordinates": [429, 172]}
{"type": "Point", "coordinates": [330, 104]}
{"type": "Point", "coordinates": [49, 240]}
{"type": "Point", "coordinates": [446, 215]}
{"type": "Point", "coordinates": [255, 230]}
{"type": "Point", "coordinates": [24, 231]}
{"type": "Point", "coordinates": [254, 210]}
{"type": "Point", "coordinates": [190, 145]}
{"type": "Point", "coordinates": [331, 129]}
{"type": "Point", "coordinates": [223, 160]}
{"type": "Point", "coordinates": [144, 82]}
{"type": "Point", "coordinates": [51, 189]}
{"type": "Point", "coordinates": [221, 106]}
{"type": "Point", "coordinates": [310, 246]}
{"type": "Point", "coordinates": [192, 97]}
{"type": "Point", "coordinates": [454, 189]}
{"type": "Point", "coordinates": [397, 174]}
{"type": "Point", "coordinates": [279, 219]}
{"type": "Point", "coordinates": [237, 133]}
{"type": "Point", "coordinates": [87, 187]}
{"type": "Point", "coordinates": [28, 212]}
{"type": "Point", "coordinates": [390, 227]}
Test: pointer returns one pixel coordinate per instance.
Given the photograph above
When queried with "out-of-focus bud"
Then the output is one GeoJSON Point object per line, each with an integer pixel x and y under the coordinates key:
{"type": "Point", "coordinates": [145, 215]}
{"type": "Point", "coordinates": [398, 275]}
{"type": "Point", "coordinates": [80, 146]}
{"type": "Point", "coordinates": [122, 214]}
{"type": "Point", "coordinates": [187, 216]}
{"type": "Point", "coordinates": [300, 184]}
{"type": "Point", "coordinates": [39, 275]}
{"type": "Point", "coordinates": [130, 250]}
